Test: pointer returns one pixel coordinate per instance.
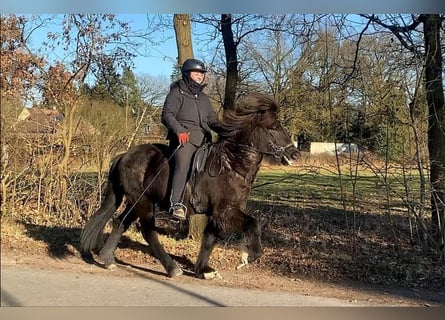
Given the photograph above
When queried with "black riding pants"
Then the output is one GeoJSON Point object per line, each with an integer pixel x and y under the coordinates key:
{"type": "Point", "coordinates": [183, 159]}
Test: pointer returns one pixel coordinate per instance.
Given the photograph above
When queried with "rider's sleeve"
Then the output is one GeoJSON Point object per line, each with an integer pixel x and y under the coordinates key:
{"type": "Point", "coordinates": [170, 111]}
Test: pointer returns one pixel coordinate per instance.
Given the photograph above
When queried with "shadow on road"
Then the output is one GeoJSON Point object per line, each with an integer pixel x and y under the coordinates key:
{"type": "Point", "coordinates": [62, 240]}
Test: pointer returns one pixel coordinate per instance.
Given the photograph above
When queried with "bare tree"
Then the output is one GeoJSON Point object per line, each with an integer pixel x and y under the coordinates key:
{"type": "Point", "coordinates": [433, 69]}
{"type": "Point", "coordinates": [235, 34]}
{"type": "Point", "coordinates": [152, 89]}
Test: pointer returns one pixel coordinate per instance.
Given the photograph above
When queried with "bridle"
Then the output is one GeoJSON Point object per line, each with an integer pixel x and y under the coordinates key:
{"type": "Point", "coordinates": [277, 150]}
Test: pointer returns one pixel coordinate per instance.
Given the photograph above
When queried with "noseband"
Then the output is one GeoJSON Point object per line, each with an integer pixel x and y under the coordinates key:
{"type": "Point", "coordinates": [277, 151]}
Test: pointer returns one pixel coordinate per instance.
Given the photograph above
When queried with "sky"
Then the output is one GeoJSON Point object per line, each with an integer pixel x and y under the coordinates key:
{"type": "Point", "coordinates": [162, 57]}
{"type": "Point", "coordinates": [158, 62]}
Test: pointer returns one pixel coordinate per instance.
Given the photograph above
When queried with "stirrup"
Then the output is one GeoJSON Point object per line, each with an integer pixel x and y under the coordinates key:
{"type": "Point", "coordinates": [179, 211]}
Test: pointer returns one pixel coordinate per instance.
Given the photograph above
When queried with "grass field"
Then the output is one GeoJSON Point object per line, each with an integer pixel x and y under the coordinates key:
{"type": "Point", "coordinates": [352, 190]}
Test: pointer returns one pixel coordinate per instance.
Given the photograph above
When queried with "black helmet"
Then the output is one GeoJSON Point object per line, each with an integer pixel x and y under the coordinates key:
{"type": "Point", "coordinates": [192, 65]}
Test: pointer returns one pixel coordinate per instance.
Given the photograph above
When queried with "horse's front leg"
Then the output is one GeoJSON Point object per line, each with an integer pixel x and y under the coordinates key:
{"type": "Point", "coordinates": [235, 220]}
{"type": "Point", "coordinates": [253, 248]}
{"type": "Point", "coordinates": [120, 225]}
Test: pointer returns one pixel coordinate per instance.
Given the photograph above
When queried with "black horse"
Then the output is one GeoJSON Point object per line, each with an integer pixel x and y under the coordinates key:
{"type": "Point", "coordinates": [219, 188]}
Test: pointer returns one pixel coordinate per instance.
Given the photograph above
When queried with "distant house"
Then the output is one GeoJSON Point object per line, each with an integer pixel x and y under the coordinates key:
{"type": "Point", "coordinates": [332, 147]}
{"type": "Point", "coordinates": [38, 120]}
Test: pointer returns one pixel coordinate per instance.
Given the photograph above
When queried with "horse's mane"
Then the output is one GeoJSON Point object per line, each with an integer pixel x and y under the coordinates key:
{"type": "Point", "coordinates": [247, 111]}
{"type": "Point", "coordinates": [256, 102]}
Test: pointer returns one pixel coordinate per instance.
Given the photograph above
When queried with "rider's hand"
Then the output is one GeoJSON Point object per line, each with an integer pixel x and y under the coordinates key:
{"type": "Point", "coordinates": [183, 138]}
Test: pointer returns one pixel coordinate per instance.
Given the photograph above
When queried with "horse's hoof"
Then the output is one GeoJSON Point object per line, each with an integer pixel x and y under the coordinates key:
{"type": "Point", "coordinates": [109, 263]}
{"type": "Point", "coordinates": [175, 272]}
{"type": "Point", "coordinates": [244, 258]}
{"type": "Point", "coordinates": [110, 266]}
{"type": "Point", "coordinates": [211, 275]}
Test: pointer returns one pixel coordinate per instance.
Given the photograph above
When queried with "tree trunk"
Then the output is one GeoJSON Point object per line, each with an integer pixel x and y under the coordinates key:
{"type": "Point", "coordinates": [183, 35]}
{"type": "Point", "coordinates": [436, 122]}
{"type": "Point", "coordinates": [231, 60]}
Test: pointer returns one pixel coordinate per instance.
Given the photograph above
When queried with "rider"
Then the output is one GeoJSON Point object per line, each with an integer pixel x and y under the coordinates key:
{"type": "Point", "coordinates": [189, 118]}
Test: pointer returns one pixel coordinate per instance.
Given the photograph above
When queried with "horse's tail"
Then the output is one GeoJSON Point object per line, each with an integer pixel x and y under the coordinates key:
{"type": "Point", "coordinates": [91, 237]}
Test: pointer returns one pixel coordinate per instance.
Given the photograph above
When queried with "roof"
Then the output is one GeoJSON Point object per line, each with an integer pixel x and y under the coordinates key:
{"type": "Point", "coordinates": [38, 120]}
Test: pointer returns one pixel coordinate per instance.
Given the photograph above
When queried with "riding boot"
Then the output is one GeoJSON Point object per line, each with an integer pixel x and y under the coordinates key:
{"type": "Point", "coordinates": [178, 210]}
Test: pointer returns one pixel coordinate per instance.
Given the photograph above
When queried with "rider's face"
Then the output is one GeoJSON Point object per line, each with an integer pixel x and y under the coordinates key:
{"type": "Point", "coordinates": [197, 76]}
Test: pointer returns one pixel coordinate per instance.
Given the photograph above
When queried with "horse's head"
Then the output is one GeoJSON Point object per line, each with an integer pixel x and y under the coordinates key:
{"type": "Point", "coordinates": [275, 143]}
{"type": "Point", "coordinates": [263, 130]}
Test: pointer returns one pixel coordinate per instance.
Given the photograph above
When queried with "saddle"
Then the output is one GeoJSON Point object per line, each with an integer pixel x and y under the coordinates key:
{"type": "Point", "coordinates": [199, 160]}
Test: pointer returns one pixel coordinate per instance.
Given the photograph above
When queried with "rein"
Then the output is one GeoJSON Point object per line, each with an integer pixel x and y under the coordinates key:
{"type": "Point", "coordinates": [224, 159]}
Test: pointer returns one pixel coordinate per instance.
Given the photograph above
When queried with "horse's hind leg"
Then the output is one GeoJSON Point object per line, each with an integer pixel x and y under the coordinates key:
{"type": "Point", "coordinates": [120, 225]}
{"type": "Point", "coordinates": [209, 240]}
{"type": "Point", "coordinates": [158, 251]}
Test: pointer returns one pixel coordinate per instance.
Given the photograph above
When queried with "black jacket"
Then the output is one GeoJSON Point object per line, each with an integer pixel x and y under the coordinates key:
{"type": "Point", "coordinates": [186, 112]}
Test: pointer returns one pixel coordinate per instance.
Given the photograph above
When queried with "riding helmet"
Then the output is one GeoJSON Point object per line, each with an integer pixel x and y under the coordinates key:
{"type": "Point", "coordinates": [192, 65]}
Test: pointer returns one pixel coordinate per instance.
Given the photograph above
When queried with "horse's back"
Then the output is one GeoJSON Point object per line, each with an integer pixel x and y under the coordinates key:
{"type": "Point", "coordinates": [142, 154]}
{"type": "Point", "coordinates": [144, 166]}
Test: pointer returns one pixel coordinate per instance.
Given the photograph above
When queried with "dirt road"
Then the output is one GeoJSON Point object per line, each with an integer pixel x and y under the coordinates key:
{"type": "Point", "coordinates": [32, 287]}
{"type": "Point", "coordinates": [37, 272]}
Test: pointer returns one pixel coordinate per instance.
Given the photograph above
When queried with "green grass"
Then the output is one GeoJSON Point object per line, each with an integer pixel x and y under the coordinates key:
{"type": "Point", "coordinates": [330, 189]}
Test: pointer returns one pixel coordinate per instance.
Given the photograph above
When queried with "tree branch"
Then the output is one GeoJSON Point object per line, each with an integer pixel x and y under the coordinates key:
{"type": "Point", "coordinates": [398, 31]}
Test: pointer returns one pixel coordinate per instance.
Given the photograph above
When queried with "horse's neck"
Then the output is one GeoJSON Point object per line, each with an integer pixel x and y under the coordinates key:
{"type": "Point", "coordinates": [243, 159]}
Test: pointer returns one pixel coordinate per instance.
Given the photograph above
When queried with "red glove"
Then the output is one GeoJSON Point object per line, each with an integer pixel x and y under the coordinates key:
{"type": "Point", "coordinates": [183, 138]}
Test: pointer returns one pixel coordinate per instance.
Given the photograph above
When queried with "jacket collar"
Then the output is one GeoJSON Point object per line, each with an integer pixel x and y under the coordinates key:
{"type": "Point", "coordinates": [183, 88]}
